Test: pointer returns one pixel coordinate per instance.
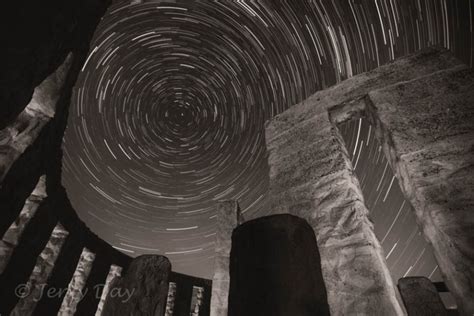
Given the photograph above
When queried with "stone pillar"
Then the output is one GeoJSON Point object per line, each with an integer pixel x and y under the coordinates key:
{"type": "Point", "coordinates": [427, 129]}
{"type": "Point", "coordinates": [275, 269]}
{"type": "Point", "coordinates": [421, 297]}
{"type": "Point", "coordinates": [114, 272]}
{"type": "Point", "coordinates": [196, 303]}
{"type": "Point", "coordinates": [311, 177]}
{"type": "Point", "coordinates": [142, 290]}
{"type": "Point", "coordinates": [170, 299]}
{"type": "Point", "coordinates": [31, 292]}
{"type": "Point", "coordinates": [228, 218]}
{"type": "Point", "coordinates": [17, 137]}
{"type": "Point", "coordinates": [74, 292]}
{"type": "Point", "coordinates": [13, 234]}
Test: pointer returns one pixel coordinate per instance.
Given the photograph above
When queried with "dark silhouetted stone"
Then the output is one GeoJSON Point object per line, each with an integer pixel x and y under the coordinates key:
{"type": "Point", "coordinates": [421, 297]}
{"type": "Point", "coordinates": [275, 269]}
{"type": "Point", "coordinates": [142, 290]}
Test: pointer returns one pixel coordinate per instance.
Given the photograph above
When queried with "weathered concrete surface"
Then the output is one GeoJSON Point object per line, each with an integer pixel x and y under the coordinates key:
{"type": "Point", "coordinates": [421, 297]}
{"type": "Point", "coordinates": [31, 292]}
{"type": "Point", "coordinates": [228, 218]}
{"type": "Point", "coordinates": [183, 296]}
{"type": "Point", "coordinates": [427, 128]}
{"type": "Point", "coordinates": [275, 269]}
{"type": "Point", "coordinates": [75, 289]}
{"type": "Point", "coordinates": [114, 272]}
{"type": "Point", "coordinates": [422, 63]}
{"type": "Point", "coordinates": [311, 177]}
{"type": "Point", "coordinates": [21, 134]}
{"type": "Point", "coordinates": [142, 290]}
{"type": "Point", "coordinates": [197, 301]}
{"type": "Point", "coordinates": [12, 235]}
{"type": "Point", "coordinates": [170, 299]}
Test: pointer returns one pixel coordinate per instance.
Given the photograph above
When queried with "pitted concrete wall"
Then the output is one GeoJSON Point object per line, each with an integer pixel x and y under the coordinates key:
{"type": "Point", "coordinates": [427, 128]}
{"type": "Point", "coordinates": [311, 176]}
{"type": "Point", "coordinates": [313, 179]}
{"type": "Point", "coordinates": [228, 218]}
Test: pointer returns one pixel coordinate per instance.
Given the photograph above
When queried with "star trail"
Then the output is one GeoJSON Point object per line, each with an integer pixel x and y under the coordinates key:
{"type": "Point", "coordinates": [168, 113]}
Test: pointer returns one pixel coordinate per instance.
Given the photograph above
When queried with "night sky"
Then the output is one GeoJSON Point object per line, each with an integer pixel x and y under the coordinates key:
{"type": "Point", "coordinates": [168, 113]}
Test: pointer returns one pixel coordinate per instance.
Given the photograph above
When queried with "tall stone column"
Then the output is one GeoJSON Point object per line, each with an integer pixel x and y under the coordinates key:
{"type": "Point", "coordinates": [31, 292]}
{"type": "Point", "coordinates": [228, 218]}
{"type": "Point", "coordinates": [311, 177]}
{"type": "Point", "coordinates": [427, 129]}
{"type": "Point", "coordinates": [12, 236]}
{"type": "Point", "coordinates": [114, 272]}
{"type": "Point", "coordinates": [74, 292]}
{"type": "Point", "coordinates": [21, 134]}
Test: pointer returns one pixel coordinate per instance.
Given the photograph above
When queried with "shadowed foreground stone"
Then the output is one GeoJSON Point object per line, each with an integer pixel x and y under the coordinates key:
{"type": "Point", "coordinates": [143, 289]}
{"type": "Point", "coordinates": [275, 269]}
{"type": "Point", "coordinates": [421, 297]}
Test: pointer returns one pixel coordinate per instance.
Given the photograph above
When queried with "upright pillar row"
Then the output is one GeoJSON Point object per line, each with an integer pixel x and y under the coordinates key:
{"type": "Point", "coordinates": [12, 236]}
{"type": "Point", "coordinates": [228, 218]}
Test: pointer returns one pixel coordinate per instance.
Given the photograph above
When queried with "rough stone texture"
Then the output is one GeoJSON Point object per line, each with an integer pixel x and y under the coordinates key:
{"type": "Point", "coordinates": [427, 128]}
{"type": "Point", "coordinates": [421, 297]}
{"type": "Point", "coordinates": [228, 218]}
{"type": "Point", "coordinates": [45, 33]}
{"type": "Point", "coordinates": [170, 299]}
{"type": "Point", "coordinates": [196, 303]}
{"type": "Point", "coordinates": [33, 289]}
{"type": "Point", "coordinates": [275, 269]}
{"type": "Point", "coordinates": [114, 272]}
{"type": "Point", "coordinates": [22, 133]}
{"type": "Point", "coordinates": [12, 235]}
{"type": "Point", "coordinates": [74, 292]}
{"type": "Point", "coordinates": [146, 280]}
{"type": "Point", "coordinates": [422, 63]}
{"type": "Point", "coordinates": [311, 177]}
{"type": "Point", "coordinates": [183, 298]}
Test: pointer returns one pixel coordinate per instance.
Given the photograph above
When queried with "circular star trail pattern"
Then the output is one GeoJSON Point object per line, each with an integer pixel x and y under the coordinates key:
{"type": "Point", "coordinates": [168, 113]}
